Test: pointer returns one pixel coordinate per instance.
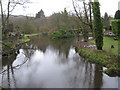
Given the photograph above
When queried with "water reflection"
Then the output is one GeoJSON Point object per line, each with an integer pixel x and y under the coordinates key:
{"type": "Point", "coordinates": [53, 66]}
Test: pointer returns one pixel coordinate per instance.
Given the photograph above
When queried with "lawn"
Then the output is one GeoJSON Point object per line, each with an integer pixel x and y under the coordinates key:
{"type": "Point", "coordinates": [107, 45]}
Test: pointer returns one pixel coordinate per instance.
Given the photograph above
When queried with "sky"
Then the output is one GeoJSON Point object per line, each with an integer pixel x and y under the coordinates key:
{"type": "Point", "coordinates": [51, 6]}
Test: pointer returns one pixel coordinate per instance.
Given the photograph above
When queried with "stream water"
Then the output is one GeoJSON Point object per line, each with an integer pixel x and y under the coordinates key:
{"type": "Point", "coordinates": [43, 63]}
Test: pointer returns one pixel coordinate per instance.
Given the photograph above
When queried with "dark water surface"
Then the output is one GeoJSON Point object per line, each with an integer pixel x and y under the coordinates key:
{"type": "Point", "coordinates": [42, 63]}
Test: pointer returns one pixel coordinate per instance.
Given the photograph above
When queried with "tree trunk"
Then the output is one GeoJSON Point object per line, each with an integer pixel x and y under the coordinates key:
{"type": "Point", "coordinates": [3, 21]}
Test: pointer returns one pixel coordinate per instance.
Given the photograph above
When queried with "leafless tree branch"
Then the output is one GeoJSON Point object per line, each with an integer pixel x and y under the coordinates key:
{"type": "Point", "coordinates": [79, 15]}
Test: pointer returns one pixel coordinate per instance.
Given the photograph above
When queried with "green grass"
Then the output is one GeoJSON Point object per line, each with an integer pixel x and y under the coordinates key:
{"type": "Point", "coordinates": [95, 56]}
{"type": "Point", "coordinates": [102, 58]}
{"type": "Point", "coordinates": [28, 35]}
{"type": "Point", "coordinates": [107, 45]}
{"type": "Point", "coordinates": [25, 37]}
{"type": "Point", "coordinates": [108, 57]}
{"type": "Point", "coordinates": [24, 40]}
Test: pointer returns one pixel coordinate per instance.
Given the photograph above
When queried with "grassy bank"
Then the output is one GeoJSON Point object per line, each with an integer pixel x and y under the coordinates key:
{"type": "Point", "coordinates": [25, 37]}
{"type": "Point", "coordinates": [108, 57]}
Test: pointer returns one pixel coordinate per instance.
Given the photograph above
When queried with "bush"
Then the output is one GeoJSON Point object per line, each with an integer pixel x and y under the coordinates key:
{"type": "Point", "coordinates": [60, 34]}
{"type": "Point", "coordinates": [116, 26]}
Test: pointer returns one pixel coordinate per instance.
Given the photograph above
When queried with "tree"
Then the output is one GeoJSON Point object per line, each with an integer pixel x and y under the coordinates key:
{"type": "Point", "coordinates": [85, 17]}
{"type": "Point", "coordinates": [60, 20]}
{"type": "Point", "coordinates": [97, 25]}
{"type": "Point", "coordinates": [117, 14]}
{"type": "Point", "coordinates": [11, 4]}
{"type": "Point", "coordinates": [106, 21]}
{"type": "Point", "coordinates": [65, 19]}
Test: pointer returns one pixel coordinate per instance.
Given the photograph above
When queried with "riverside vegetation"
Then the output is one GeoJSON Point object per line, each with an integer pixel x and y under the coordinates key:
{"type": "Point", "coordinates": [62, 25]}
{"type": "Point", "coordinates": [108, 57]}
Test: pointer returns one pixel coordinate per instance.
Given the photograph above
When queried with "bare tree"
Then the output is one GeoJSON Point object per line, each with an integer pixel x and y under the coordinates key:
{"type": "Point", "coordinates": [11, 4]}
{"type": "Point", "coordinates": [85, 17]}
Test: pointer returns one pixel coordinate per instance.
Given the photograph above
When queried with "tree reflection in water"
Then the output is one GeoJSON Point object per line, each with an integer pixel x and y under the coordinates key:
{"type": "Point", "coordinates": [9, 69]}
{"type": "Point", "coordinates": [45, 64]}
{"type": "Point", "coordinates": [98, 77]}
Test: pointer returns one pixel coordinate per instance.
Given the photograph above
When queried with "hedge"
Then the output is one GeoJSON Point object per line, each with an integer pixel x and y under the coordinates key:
{"type": "Point", "coordinates": [116, 26]}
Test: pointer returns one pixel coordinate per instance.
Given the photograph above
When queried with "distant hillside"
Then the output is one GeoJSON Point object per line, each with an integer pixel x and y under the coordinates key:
{"type": "Point", "coordinates": [18, 16]}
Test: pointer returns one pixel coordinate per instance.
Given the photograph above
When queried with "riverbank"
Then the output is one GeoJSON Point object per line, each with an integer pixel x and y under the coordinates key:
{"type": "Point", "coordinates": [12, 44]}
{"type": "Point", "coordinates": [108, 57]}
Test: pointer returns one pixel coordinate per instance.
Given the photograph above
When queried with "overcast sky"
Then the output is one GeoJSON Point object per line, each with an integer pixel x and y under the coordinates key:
{"type": "Point", "coordinates": [51, 6]}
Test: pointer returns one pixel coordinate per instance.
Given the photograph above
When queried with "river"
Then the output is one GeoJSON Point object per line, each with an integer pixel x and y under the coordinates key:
{"type": "Point", "coordinates": [45, 63]}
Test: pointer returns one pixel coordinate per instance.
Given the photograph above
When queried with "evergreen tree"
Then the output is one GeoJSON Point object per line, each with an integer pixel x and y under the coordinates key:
{"type": "Point", "coordinates": [106, 21]}
{"type": "Point", "coordinates": [117, 14]}
{"type": "Point", "coordinates": [97, 25]}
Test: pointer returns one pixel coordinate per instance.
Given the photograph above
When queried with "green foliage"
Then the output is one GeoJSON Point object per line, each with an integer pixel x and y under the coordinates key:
{"type": "Point", "coordinates": [25, 37]}
{"type": "Point", "coordinates": [7, 46]}
{"type": "Point", "coordinates": [116, 26]}
{"type": "Point", "coordinates": [97, 25]}
{"type": "Point", "coordinates": [117, 14]}
{"type": "Point", "coordinates": [62, 33]}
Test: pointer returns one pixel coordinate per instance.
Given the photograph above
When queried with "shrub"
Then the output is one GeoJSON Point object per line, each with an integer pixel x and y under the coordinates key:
{"type": "Point", "coordinates": [116, 26]}
{"type": "Point", "coordinates": [60, 34]}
